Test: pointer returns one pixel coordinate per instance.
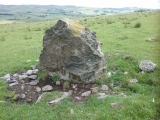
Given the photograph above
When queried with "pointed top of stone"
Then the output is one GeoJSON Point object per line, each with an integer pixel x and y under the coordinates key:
{"type": "Point", "coordinates": [75, 27]}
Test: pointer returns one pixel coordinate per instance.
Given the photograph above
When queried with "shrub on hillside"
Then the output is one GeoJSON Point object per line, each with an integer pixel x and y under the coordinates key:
{"type": "Point", "coordinates": [137, 25]}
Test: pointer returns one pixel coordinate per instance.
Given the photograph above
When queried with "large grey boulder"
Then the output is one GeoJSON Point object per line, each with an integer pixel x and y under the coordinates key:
{"type": "Point", "coordinates": [147, 66]}
{"type": "Point", "coordinates": [72, 52]}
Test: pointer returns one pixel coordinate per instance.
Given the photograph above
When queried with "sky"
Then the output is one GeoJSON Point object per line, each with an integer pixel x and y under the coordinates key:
{"type": "Point", "coordinates": [154, 4]}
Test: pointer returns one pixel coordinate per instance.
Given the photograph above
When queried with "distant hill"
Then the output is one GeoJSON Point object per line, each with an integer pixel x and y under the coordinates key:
{"type": "Point", "coordinates": [29, 13]}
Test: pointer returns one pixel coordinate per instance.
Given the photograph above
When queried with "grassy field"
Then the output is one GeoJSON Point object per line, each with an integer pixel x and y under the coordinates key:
{"type": "Point", "coordinates": [122, 38]}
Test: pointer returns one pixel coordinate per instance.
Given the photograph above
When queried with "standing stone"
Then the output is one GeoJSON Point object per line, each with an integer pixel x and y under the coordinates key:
{"type": "Point", "coordinates": [72, 52]}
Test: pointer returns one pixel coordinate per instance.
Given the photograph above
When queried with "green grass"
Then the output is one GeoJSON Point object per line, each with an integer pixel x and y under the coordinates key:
{"type": "Point", "coordinates": [118, 34]}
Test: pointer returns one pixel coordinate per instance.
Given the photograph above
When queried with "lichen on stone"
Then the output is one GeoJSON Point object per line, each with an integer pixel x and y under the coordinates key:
{"type": "Point", "coordinates": [76, 27]}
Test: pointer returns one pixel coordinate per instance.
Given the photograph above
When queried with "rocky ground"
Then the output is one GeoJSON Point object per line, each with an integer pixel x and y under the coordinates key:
{"type": "Point", "coordinates": [28, 88]}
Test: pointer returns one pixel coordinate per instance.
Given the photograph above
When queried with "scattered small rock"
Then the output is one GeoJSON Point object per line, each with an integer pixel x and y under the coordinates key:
{"type": "Point", "coordinates": [74, 86]}
{"type": "Point", "coordinates": [22, 96]}
{"type": "Point", "coordinates": [72, 111]}
{"type": "Point", "coordinates": [12, 84]}
{"type": "Point", "coordinates": [110, 55]}
{"type": "Point", "coordinates": [34, 82]}
{"type": "Point", "coordinates": [29, 72]}
{"type": "Point", "coordinates": [7, 76]}
{"type": "Point", "coordinates": [38, 89]}
{"type": "Point", "coordinates": [102, 96]}
{"type": "Point", "coordinates": [147, 66]}
{"type": "Point", "coordinates": [35, 71]}
{"type": "Point", "coordinates": [1, 101]}
{"type": "Point", "coordinates": [22, 87]}
{"type": "Point", "coordinates": [58, 83]}
{"type": "Point", "coordinates": [70, 92]}
{"type": "Point", "coordinates": [125, 73]}
{"type": "Point", "coordinates": [86, 94]}
{"type": "Point", "coordinates": [152, 39]}
{"type": "Point", "coordinates": [78, 98]}
{"type": "Point", "coordinates": [47, 88]}
{"type": "Point", "coordinates": [40, 97]}
{"type": "Point", "coordinates": [109, 74]}
{"type": "Point", "coordinates": [104, 87]}
{"type": "Point", "coordinates": [12, 81]}
{"type": "Point", "coordinates": [133, 81]}
{"type": "Point", "coordinates": [22, 77]}
{"type": "Point", "coordinates": [94, 90]}
{"type": "Point", "coordinates": [29, 100]}
{"type": "Point", "coordinates": [65, 94]}
{"type": "Point", "coordinates": [33, 77]}
{"type": "Point", "coordinates": [142, 72]}
{"type": "Point", "coordinates": [115, 104]}
{"type": "Point", "coordinates": [28, 61]}
{"type": "Point", "coordinates": [15, 75]}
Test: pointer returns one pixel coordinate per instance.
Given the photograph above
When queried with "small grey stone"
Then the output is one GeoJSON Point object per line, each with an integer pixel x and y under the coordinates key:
{"type": "Point", "coordinates": [142, 72]}
{"type": "Point", "coordinates": [12, 84]}
{"type": "Point", "coordinates": [22, 86]}
{"type": "Point", "coordinates": [147, 66]}
{"type": "Point", "coordinates": [70, 92]}
{"type": "Point", "coordinates": [58, 83]}
{"type": "Point", "coordinates": [74, 86]}
{"type": "Point", "coordinates": [72, 111]}
{"type": "Point", "coordinates": [2, 101]}
{"type": "Point", "coordinates": [29, 100]}
{"type": "Point", "coordinates": [78, 98]}
{"type": "Point", "coordinates": [35, 71]}
{"type": "Point", "coordinates": [38, 89]}
{"type": "Point", "coordinates": [22, 77]}
{"type": "Point", "coordinates": [109, 74]}
{"type": "Point", "coordinates": [86, 94]}
{"type": "Point", "coordinates": [115, 104]}
{"type": "Point", "coordinates": [33, 77]}
{"type": "Point", "coordinates": [7, 76]}
{"type": "Point", "coordinates": [121, 94]}
{"type": "Point", "coordinates": [47, 88]}
{"type": "Point", "coordinates": [15, 75]}
{"type": "Point", "coordinates": [8, 79]}
{"type": "Point", "coordinates": [12, 81]}
{"type": "Point", "coordinates": [125, 73]}
{"type": "Point", "coordinates": [29, 72]}
{"type": "Point", "coordinates": [94, 90]}
{"type": "Point", "coordinates": [22, 96]}
{"type": "Point", "coordinates": [104, 87]}
{"type": "Point", "coordinates": [102, 96]}
{"type": "Point", "coordinates": [28, 61]}
{"type": "Point", "coordinates": [133, 81]}
{"type": "Point", "coordinates": [34, 82]}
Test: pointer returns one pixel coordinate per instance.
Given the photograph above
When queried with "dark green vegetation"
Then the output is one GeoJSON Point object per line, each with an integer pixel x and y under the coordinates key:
{"type": "Point", "coordinates": [126, 45]}
{"type": "Point", "coordinates": [28, 13]}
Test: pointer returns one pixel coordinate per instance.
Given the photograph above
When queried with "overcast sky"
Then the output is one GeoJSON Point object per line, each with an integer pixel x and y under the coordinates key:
{"type": "Point", "coordinates": [90, 3]}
